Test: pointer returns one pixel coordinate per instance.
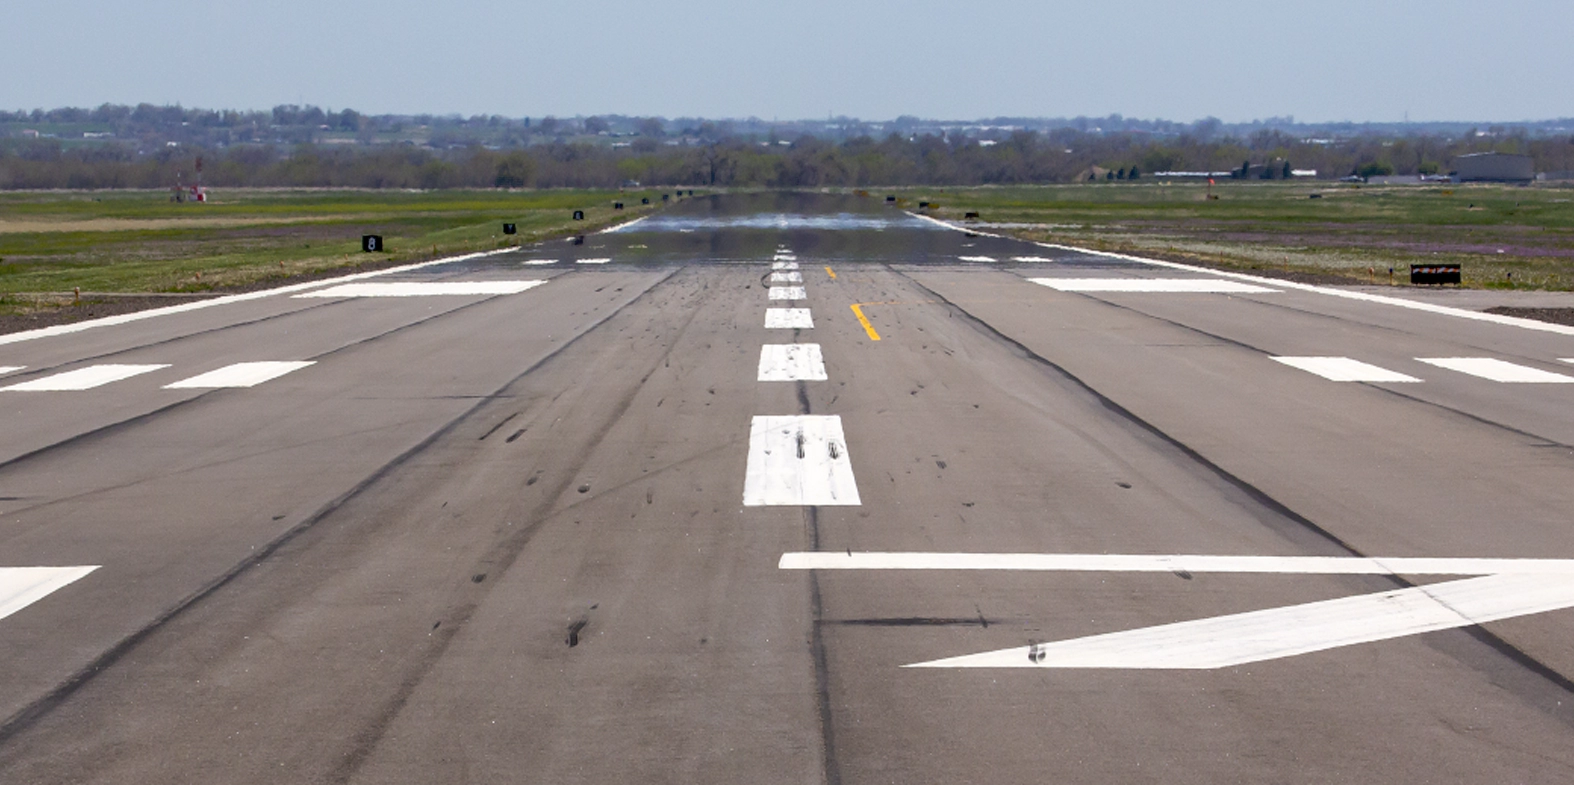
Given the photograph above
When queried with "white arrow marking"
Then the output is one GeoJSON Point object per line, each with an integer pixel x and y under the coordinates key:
{"type": "Point", "coordinates": [23, 586]}
{"type": "Point", "coordinates": [1511, 587]}
{"type": "Point", "coordinates": [1223, 641]}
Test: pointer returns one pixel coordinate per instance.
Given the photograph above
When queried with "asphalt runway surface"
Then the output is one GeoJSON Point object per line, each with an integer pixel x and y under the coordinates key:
{"type": "Point", "coordinates": [970, 509]}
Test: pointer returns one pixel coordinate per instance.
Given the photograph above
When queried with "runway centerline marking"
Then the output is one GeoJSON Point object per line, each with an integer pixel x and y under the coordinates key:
{"type": "Point", "coordinates": [788, 277]}
{"type": "Point", "coordinates": [977, 258]}
{"type": "Point", "coordinates": [1509, 588]}
{"type": "Point", "coordinates": [788, 293]}
{"type": "Point", "coordinates": [1166, 285]}
{"type": "Point", "coordinates": [23, 586]}
{"type": "Point", "coordinates": [789, 319]}
{"type": "Point", "coordinates": [601, 260]}
{"type": "Point", "coordinates": [798, 460]}
{"type": "Point", "coordinates": [84, 378]}
{"type": "Point", "coordinates": [537, 262]}
{"type": "Point", "coordinates": [784, 265]}
{"type": "Point", "coordinates": [790, 362]}
{"type": "Point", "coordinates": [1344, 369]}
{"type": "Point", "coordinates": [1030, 259]}
{"type": "Point", "coordinates": [424, 288]}
{"type": "Point", "coordinates": [1497, 370]}
{"type": "Point", "coordinates": [249, 374]}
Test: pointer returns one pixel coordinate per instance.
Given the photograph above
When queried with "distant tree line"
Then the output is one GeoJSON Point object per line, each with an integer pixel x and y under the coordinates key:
{"type": "Point", "coordinates": [1023, 157]}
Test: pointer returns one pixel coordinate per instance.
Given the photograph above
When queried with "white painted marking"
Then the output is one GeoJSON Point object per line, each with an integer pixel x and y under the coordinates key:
{"type": "Point", "coordinates": [1188, 285]}
{"type": "Point", "coordinates": [788, 293]}
{"type": "Point", "coordinates": [620, 227]}
{"type": "Point", "coordinates": [111, 321]}
{"type": "Point", "coordinates": [538, 262]}
{"type": "Point", "coordinates": [424, 288]}
{"type": "Point", "coordinates": [84, 378]}
{"type": "Point", "coordinates": [1344, 369]}
{"type": "Point", "coordinates": [1242, 638]}
{"type": "Point", "coordinates": [4, 369]}
{"type": "Point", "coordinates": [789, 319]}
{"type": "Point", "coordinates": [1030, 259]}
{"type": "Point", "coordinates": [1498, 370]}
{"type": "Point", "coordinates": [791, 362]}
{"type": "Point", "coordinates": [1381, 299]}
{"type": "Point", "coordinates": [786, 277]}
{"type": "Point", "coordinates": [591, 261]}
{"type": "Point", "coordinates": [784, 257]}
{"type": "Point", "coordinates": [977, 258]}
{"type": "Point", "coordinates": [1201, 564]}
{"type": "Point", "coordinates": [798, 460]}
{"type": "Point", "coordinates": [23, 586]}
{"type": "Point", "coordinates": [239, 375]}
{"type": "Point", "coordinates": [784, 265]}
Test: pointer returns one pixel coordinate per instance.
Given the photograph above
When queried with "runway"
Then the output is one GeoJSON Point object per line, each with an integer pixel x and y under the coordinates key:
{"type": "Point", "coordinates": [790, 488]}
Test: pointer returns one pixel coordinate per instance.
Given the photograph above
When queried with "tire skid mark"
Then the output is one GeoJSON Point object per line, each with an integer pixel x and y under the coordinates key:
{"type": "Point", "coordinates": [25, 717]}
{"type": "Point", "coordinates": [1547, 674]}
{"type": "Point", "coordinates": [498, 558]}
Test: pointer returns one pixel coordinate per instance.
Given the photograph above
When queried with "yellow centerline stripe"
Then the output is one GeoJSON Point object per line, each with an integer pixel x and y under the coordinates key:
{"type": "Point", "coordinates": [830, 272]}
{"type": "Point", "coordinates": [868, 328]}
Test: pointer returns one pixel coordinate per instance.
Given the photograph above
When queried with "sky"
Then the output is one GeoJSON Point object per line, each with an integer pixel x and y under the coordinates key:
{"type": "Point", "coordinates": [1335, 60]}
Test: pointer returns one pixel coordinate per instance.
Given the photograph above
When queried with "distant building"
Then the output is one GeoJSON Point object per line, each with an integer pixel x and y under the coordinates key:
{"type": "Point", "coordinates": [1494, 167]}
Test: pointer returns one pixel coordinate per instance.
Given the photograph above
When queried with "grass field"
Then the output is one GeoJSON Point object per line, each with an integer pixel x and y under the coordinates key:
{"type": "Point", "coordinates": [1504, 236]}
{"type": "Point", "coordinates": [52, 243]}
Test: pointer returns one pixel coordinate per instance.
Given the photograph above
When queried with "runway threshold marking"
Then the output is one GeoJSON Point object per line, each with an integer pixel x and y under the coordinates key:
{"type": "Point", "coordinates": [1166, 285]}
{"type": "Point", "coordinates": [1344, 369]}
{"type": "Point", "coordinates": [1497, 370]}
{"type": "Point", "coordinates": [858, 311]}
{"type": "Point", "coordinates": [23, 586]}
{"type": "Point", "coordinates": [788, 319]}
{"type": "Point", "coordinates": [798, 460]}
{"type": "Point", "coordinates": [424, 288]}
{"type": "Point", "coordinates": [84, 378]}
{"type": "Point", "coordinates": [790, 362]}
{"type": "Point", "coordinates": [1508, 588]}
{"type": "Point", "coordinates": [249, 374]}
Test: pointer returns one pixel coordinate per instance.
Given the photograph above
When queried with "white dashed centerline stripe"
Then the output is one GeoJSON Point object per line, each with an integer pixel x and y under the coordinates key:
{"type": "Point", "coordinates": [786, 277]}
{"type": "Point", "coordinates": [791, 362]}
{"type": "Point", "coordinates": [798, 460]}
{"type": "Point", "coordinates": [784, 265]}
{"type": "Point", "coordinates": [538, 262]}
{"type": "Point", "coordinates": [1030, 259]}
{"type": "Point", "coordinates": [789, 319]}
{"type": "Point", "coordinates": [976, 258]}
{"type": "Point", "coordinates": [424, 288]}
{"type": "Point", "coordinates": [592, 261]}
{"type": "Point", "coordinates": [788, 293]}
{"type": "Point", "coordinates": [23, 586]}
{"type": "Point", "coordinates": [239, 375]}
{"type": "Point", "coordinates": [84, 378]}
{"type": "Point", "coordinates": [1497, 370]}
{"type": "Point", "coordinates": [1344, 369]}
{"type": "Point", "coordinates": [1174, 285]}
